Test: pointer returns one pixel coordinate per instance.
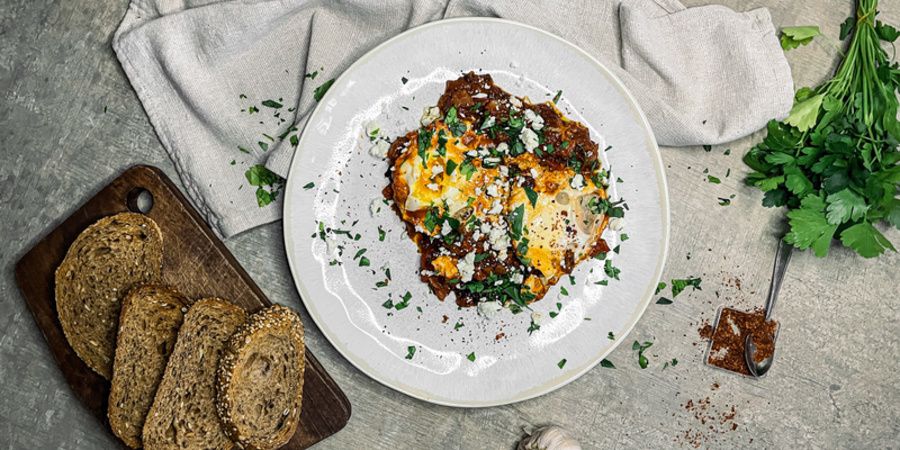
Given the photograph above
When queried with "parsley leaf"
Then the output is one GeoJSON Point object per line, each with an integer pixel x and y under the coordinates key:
{"type": "Point", "coordinates": [532, 196]}
{"type": "Point", "coordinates": [845, 205]}
{"type": "Point", "coordinates": [793, 37]}
{"type": "Point", "coordinates": [678, 286]}
{"type": "Point", "coordinates": [809, 226]}
{"type": "Point", "coordinates": [321, 90]}
{"type": "Point", "coordinates": [866, 240]}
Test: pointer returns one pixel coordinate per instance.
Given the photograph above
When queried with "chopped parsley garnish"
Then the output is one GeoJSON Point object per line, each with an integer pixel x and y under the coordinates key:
{"type": "Point", "coordinates": [457, 326]}
{"type": "Point", "coordinates": [680, 285]}
{"type": "Point", "coordinates": [423, 142]}
{"type": "Point", "coordinates": [321, 90]}
{"type": "Point", "coordinates": [563, 290]}
{"type": "Point", "coordinates": [663, 301]}
{"type": "Point", "coordinates": [309, 185]}
{"type": "Point", "coordinates": [268, 184]}
{"type": "Point", "coordinates": [612, 271]}
{"type": "Point", "coordinates": [272, 104]}
{"type": "Point", "coordinates": [624, 237]}
{"type": "Point", "coordinates": [442, 143]}
{"type": "Point", "coordinates": [467, 169]}
{"type": "Point", "coordinates": [404, 303]}
{"type": "Point", "coordinates": [381, 233]}
{"type": "Point", "coordinates": [532, 196]}
{"type": "Point", "coordinates": [456, 126]}
{"type": "Point", "coordinates": [410, 351]}
{"type": "Point", "coordinates": [450, 167]}
{"type": "Point", "coordinates": [713, 180]}
{"type": "Point", "coordinates": [471, 356]}
{"type": "Point", "coordinates": [533, 327]}
{"type": "Point", "coordinates": [388, 304]}
{"type": "Point", "coordinates": [364, 262]}
{"type": "Point", "coordinates": [516, 218]}
{"type": "Point", "coordinates": [264, 146]}
{"type": "Point", "coordinates": [607, 364]}
{"type": "Point", "coordinates": [359, 253]}
{"type": "Point", "coordinates": [561, 363]}
{"type": "Point", "coordinates": [637, 346]}
{"type": "Point", "coordinates": [611, 336]}
{"type": "Point", "coordinates": [724, 201]}
{"type": "Point", "coordinates": [557, 96]}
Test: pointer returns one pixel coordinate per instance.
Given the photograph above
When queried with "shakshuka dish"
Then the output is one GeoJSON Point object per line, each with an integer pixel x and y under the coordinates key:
{"type": "Point", "coordinates": [503, 197]}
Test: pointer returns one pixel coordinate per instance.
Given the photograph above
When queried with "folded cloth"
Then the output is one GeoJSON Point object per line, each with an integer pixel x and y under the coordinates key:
{"type": "Point", "coordinates": [702, 75]}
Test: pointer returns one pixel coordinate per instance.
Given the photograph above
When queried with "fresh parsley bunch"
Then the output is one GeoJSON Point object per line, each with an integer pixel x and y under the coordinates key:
{"type": "Point", "coordinates": [834, 161]}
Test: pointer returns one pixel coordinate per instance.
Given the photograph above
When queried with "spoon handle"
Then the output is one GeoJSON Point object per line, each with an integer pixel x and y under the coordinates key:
{"type": "Point", "coordinates": [782, 258]}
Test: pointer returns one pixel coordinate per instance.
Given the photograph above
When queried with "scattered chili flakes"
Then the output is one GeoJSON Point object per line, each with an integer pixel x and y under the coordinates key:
{"type": "Point", "coordinates": [726, 350]}
{"type": "Point", "coordinates": [713, 420]}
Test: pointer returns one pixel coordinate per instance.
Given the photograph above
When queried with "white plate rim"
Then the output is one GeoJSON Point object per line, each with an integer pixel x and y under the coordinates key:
{"type": "Point", "coordinates": [658, 166]}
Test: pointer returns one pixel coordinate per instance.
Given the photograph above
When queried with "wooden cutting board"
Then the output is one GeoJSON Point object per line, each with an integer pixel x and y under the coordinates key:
{"type": "Point", "coordinates": [195, 261]}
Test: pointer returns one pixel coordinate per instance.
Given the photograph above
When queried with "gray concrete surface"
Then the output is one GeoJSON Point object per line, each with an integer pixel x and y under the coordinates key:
{"type": "Point", "coordinates": [70, 122]}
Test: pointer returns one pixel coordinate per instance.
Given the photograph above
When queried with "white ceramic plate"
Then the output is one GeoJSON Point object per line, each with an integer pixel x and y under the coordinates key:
{"type": "Point", "coordinates": [342, 297]}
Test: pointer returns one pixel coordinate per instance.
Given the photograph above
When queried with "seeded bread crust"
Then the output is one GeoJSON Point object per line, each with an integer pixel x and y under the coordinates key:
{"type": "Point", "coordinates": [148, 326]}
{"type": "Point", "coordinates": [105, 261]}
{"type": "Point", "coordinates": [183, 415]}
{"type": "Point", "coordinates": [260, 380]}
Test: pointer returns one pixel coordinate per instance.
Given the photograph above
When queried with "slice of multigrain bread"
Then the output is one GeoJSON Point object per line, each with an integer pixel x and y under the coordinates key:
{"type": "Point", "coordinates": [148, 325]}
{"type": "Point", "coordinates": [183, 415]}
{"type": "Point", "coordinates": [260, 380]}
{"type": "Point", "coordinates": [105, 261]}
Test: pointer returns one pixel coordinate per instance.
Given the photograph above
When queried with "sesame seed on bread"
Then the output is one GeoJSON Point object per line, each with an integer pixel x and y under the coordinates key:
{"type": "Point", "coordinates": [260, 380]}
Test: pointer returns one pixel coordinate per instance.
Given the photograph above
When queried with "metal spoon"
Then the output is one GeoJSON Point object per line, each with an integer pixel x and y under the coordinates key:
{"type": "Point", "coordinates": [782, 258]}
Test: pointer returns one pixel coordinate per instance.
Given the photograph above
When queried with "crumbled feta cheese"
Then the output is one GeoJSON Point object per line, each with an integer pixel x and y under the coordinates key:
{"type": "Point", "coordinates": [476, 235]}
{"type": "Point", "coordinates": [498, 282]}
{"type": "Point", "coordinates": [492, 190]}
{"type": "Point", "coordinates": [472, 153]}
{"type": "Point", "coordinates": [433, 186]}
{"type": "Point", "coordinates": [478, 191]}
{"type": "Point", "coordinates": [436, 170]}
{"type": "Point", "coordinates": [529, 139]}
{"type": "Point", "coordinates": [430, 114]}
{"type": "Point", "coordinates": [489, 309]}
{"type": "Point", "coordinates": [489, 122]}
{"type": "Point", "coordinates": [536, 121]}
{"type": "Point", "coordinates": [503, 147]}
{"type": "Point", "coordinates": [499, 240]}
{"type": "Point", "coordinates": [517, 278]}
{"type": "Point", "coordinates": [577, 182]}
{"type": "Point", "coordinates": [534, 173]}
{"type": "Point", "coordinates": [616, 223]}
{"type": "Point", "coordinates": [496, 208]}
{"type": "Point", "coordinates": [493, 160]}
{"type": "Point", "coordinates": [536, 317]}
{"type": "Point", "coordinates": [446, 228]}
{"type": "Point", "coordinates": [504, 170]}
{"type": "Point", "coordinates": [380, 149]}
{"type": "Point", "coordinates": [466, 267]}
{"type": "Point", "coordinates": [515, 102]}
